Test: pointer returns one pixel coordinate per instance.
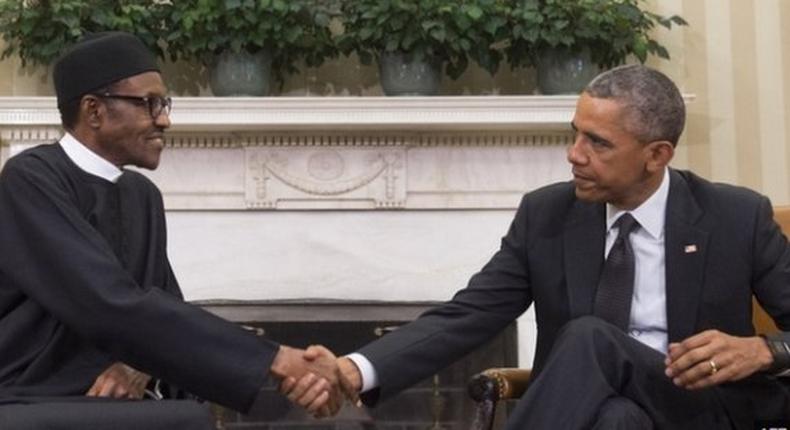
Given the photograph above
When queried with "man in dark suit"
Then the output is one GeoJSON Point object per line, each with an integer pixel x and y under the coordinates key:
{"type": "Point", "coordinates": [641, 276]}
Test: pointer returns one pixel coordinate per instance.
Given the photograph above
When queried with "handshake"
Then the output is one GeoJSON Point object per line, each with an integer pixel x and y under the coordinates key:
{"type": "Point", "coordinates": [315, 379]}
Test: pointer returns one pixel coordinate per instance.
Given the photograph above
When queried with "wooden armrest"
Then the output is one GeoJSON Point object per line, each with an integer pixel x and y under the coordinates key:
{"type": "Point", "coordinates": [499, 384]}
{"type": "Point", "coordinates": [490, 386]}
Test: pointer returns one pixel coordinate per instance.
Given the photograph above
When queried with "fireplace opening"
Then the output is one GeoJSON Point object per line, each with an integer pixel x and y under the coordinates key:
{"type": "Point", "coordinates": [438, 402]}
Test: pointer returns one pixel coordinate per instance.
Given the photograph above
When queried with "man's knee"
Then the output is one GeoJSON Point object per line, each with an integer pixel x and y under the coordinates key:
{"type": "Point", "coordinates": [587, 328]}
{"type": "Point", "coordinates": [620, 413]}
{"type": "Point", "coordinates": [593, 341]}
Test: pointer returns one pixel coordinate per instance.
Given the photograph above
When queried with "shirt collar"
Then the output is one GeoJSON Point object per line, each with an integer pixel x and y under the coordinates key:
{"type": "Point", "coordinates": [650, 214]}
{"type": "Point", "coordinates": [88, 160]}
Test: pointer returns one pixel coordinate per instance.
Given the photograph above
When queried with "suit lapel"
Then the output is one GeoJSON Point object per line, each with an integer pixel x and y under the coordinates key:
{"type": "Point", "coordinates": [685, 250]}
{"type": "Point", "coordinates": [583, 242]}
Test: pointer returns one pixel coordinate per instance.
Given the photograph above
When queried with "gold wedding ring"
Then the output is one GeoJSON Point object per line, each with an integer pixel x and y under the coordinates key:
{"type": "Point", "coordinates": [713, 367]}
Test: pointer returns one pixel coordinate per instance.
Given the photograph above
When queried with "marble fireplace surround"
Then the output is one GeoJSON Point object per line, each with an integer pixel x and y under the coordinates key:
{"type": "Point", "coordinates": [339, 199]}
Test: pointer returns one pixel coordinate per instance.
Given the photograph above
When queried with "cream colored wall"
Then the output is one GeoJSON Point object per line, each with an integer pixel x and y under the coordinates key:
{"type": "Point", "coordinates": [731, 57]}
{"type": "Point", "coordinates": [15, 81]}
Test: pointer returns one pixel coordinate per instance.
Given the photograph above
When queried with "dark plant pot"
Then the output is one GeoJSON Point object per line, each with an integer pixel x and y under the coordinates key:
{"type": "Point", "coordinates": [241, 74]}
{"type": "Point", "coordinates": [401, 75]}
{"type": "Point", "coordinates": [563, 71]}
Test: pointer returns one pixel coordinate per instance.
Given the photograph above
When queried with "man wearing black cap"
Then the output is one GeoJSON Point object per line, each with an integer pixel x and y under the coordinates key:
{"type": "Point", "coordinates": [88, 302]}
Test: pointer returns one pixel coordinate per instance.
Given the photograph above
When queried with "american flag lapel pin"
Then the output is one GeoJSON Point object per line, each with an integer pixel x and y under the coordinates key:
{"type": "Point", "coordinates": [690, 249]}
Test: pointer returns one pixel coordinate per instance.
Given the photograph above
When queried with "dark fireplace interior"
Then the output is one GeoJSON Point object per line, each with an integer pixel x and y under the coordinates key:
{"type": "Point", "coordinates": [438, 402]}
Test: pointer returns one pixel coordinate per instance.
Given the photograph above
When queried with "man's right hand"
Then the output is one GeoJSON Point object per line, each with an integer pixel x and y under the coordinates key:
{"type": "Point", "coordinates": [310, 379]}
{"type": "Point", "coordinates": [311, 392]}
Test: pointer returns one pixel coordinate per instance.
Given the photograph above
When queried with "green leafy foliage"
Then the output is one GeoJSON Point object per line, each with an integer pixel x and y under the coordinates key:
{"type": "Point", "coordinates": [452, 32]}
{"type": "Point", "coordinates": [38, 30]}
{"type": "Point", "coordinates": [611, 29]}
{"type": "Point", "coordinates": [449, 31]}
{"type": "Point", "coordinates": [292, 30]}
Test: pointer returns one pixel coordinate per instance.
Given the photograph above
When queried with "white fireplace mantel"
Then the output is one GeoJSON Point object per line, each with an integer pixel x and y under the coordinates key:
{"type": "Point", "coordinates": [547, 113]}
{"type": "Point", "coordinates": [341, 152]}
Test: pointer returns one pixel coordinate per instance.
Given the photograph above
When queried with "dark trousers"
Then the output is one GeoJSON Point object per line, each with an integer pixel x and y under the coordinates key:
{"type": "Point", "coordinates": [597, 377]}
{"type": "Point", "coordinates": [104, 414]}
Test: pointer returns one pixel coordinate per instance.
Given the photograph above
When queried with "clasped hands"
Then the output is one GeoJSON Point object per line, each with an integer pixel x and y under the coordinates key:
{"type": "Point", "coordinates": [316, 379]}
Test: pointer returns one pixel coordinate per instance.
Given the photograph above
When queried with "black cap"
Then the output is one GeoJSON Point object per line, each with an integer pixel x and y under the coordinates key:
{"type": "Point", "coordinates": [97, 60]}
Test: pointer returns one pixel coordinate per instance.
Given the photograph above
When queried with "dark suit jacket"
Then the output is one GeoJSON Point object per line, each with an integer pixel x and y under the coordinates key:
{"type": "Point", "coordinates": [552, 256]}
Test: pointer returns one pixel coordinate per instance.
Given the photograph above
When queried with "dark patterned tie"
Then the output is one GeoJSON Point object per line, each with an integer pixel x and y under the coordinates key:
{"type": "Point", "coordinates": [616, 286]}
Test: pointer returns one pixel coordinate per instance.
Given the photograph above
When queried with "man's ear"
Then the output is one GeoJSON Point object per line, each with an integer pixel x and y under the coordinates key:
{"type": "Point", "coordinates": [91, 111]}
{"type": "Point", "coordinates": [659, 154]}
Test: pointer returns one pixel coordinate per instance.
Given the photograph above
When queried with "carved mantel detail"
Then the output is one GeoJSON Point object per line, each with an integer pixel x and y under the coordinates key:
{"type": "Point", "coordinates": [355, 177]}
{"type": "Point", "coordinates": [349, 138]}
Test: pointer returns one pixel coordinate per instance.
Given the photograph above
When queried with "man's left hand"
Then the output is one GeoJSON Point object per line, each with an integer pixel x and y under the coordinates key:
{"type": "Point", "coordinates": [712, 357]}
{"type": "Point", "coordinates": [119, 381]}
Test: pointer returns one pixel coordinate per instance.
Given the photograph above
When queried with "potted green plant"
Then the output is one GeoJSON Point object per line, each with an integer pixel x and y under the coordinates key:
{"type": "Point", "coordinates": [38, 30]}
{"type": "Point", "coordinates": [237, 39]}
{"type": "Point", "coordinates": [569, 40]}
{"type": "Point", "coordinates": [412, 40]}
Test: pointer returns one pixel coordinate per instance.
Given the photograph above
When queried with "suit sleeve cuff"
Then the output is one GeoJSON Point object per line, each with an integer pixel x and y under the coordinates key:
{"type": "Point", "coordinates": [370, 379]}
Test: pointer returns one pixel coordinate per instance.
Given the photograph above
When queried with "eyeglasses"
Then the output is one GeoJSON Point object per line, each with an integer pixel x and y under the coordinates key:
{"type": "Point", "coordinates": [156, 105]}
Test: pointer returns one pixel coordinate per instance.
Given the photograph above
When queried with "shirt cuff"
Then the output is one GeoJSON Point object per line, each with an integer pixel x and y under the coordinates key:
{"type": "Point", "coordinates": [370, 379]}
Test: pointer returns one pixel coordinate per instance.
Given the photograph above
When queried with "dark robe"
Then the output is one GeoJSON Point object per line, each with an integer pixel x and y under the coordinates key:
{"type": "Point", "coordinates": [85, 281]}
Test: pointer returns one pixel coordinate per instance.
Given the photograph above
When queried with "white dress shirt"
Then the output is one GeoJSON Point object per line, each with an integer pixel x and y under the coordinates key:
{"type": "Point", "coordinates": [648, 322]}
{"type": "Point", "coordinates": [88, 160]}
